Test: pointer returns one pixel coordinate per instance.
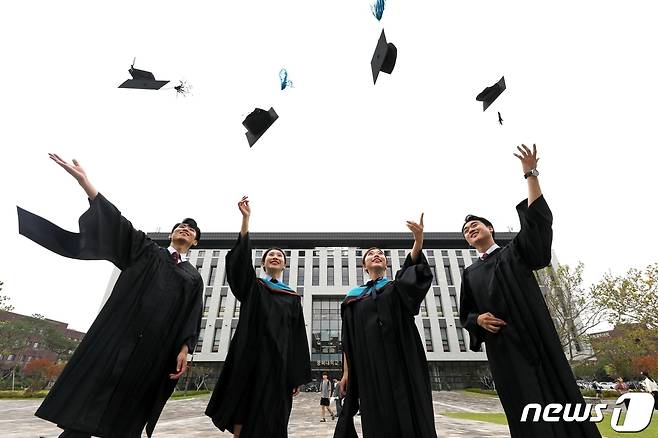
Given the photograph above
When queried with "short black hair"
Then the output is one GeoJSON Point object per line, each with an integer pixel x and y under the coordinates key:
{"type": "Point", "coordinates": [192, 223]}
{"type": "Point", "coordinates": [486, 222]}
{"type": "Point", "coordinates": [262, 259]}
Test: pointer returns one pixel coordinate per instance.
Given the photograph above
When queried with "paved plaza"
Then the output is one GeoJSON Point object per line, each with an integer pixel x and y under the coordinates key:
{"type": "Point", "coordinates": [184, 418]}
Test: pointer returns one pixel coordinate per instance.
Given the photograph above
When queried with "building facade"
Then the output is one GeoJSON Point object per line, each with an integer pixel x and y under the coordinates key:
{"type": "Point", "coordinates": [322, 267]}
{"type": "Point", "coordinates": [35, 347]}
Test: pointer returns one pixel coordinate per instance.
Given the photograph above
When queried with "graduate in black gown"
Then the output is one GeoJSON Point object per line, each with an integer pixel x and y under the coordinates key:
{"type": "Point", "coordinates": [501, 305]}
{"type": "Point", "coordinates": [126, 367]}
{"type": "Point", "coordinates": [385, 371]}
{"type": "Point", "coordinates": [268, 359]}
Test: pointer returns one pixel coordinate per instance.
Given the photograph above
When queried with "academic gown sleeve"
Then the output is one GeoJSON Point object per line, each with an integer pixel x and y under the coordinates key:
{"type": "Point", "coordinates": [240, 272]}
{"type": "Point", "coordinates": [468, 315]}
{"type": "Point", "coordinates": [413, 281]}
{"type": "Point", "coordinates": [189, 335]}
{"type": "Point", "coordinates": [104, 235]}
{"type": "Point", "coordinates": [299, 371]}
{"type": "Point", "coordinates": [534, 240]}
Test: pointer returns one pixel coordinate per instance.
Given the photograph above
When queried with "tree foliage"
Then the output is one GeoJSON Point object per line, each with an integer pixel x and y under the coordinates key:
{"type": "Point", "coordinates": [573, 308]}
{"type": "Point", "coordinates": [630, 298]}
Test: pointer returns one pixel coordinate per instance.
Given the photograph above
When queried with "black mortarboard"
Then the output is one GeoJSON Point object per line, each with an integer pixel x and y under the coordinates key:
{"type": "Point", "coordinates": [384, 57]}
{"type": "Point", "coordinates": [142, 79]}
{"type": "Point", "coordinates": [257, 123]}
{"type": "Point", "coordinates": [489, 94]}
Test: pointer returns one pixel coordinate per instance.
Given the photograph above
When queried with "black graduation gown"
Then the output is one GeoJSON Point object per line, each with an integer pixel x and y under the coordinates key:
{"type": "Point", "coordinates": [388, 374]}
{"type": "Point", "coordinates": [267, 358]}
{"type": "Point", "coordinates": [117, 380]}
{"type": "Point", "coordinates": [526, 358]}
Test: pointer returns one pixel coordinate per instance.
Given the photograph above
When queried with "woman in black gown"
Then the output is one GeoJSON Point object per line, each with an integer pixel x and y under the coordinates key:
{"type": "Point", "coordinates": [385, 371]}
{"type": "Point", "coordinates": [268, 358]}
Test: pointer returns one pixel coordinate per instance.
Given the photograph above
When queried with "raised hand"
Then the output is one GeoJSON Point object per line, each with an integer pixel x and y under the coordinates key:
{"type": "Point", "coordinates": [78, 173]}
{"type": "Point", "coordinates": [74, 169]}
{"type": "Point", "coordinates": [243, 205]}
{"type": "Point", "coordinates": [417, 228]}
{"type": "Point", "coordinates": [528, 159]}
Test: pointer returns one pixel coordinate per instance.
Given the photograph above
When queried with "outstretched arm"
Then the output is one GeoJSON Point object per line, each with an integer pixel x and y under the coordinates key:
{"type": "Point", "coordinates": [529, 162]}
{"type": "Point", "coordinates": [76, 170]}
{"type": "Point", "coordinates": [243, 205]}
{"type": "Point", "coordinates": [417, 230]}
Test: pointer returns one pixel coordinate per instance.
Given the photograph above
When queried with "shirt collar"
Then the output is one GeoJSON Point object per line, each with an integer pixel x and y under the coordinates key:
{"type": "Point", "coordinates": [269, 278]}
{"type": "Point", "coordinates": [491, 249]}
{"type": "Point", "coordinates": [183, 256]}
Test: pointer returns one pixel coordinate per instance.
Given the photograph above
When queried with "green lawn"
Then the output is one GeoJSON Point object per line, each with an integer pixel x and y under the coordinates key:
{"type": "Point", "coordinates": [604, 426]}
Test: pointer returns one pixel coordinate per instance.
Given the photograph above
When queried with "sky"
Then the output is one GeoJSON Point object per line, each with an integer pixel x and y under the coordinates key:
{"type": "Point", "coordinates": [344, 155]}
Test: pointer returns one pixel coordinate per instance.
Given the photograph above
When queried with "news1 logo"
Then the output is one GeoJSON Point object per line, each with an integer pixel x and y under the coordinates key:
{"type": "Point", "coordinates": [638, 413]}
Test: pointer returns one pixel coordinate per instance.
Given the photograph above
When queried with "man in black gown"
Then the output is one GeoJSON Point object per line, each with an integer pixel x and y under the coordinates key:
{"type": "Point", "coordinates": [268, 359]}
{"type": "Point", "coordinates": [385, 370]}
{"type": "Point", "coordinates": [126, 367]}
{"type": "Point", "coordinates": [501, 305]}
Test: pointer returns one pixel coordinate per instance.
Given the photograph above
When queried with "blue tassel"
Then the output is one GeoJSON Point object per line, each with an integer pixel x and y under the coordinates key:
{"type": "Point", "coordinates": [378, 9]}
{"type": "Point", "coordinates": [283, 78]}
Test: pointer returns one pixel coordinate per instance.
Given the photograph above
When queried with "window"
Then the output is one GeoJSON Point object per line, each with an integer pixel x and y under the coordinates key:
{"type": "Point", "coordinates": [236, 309]}
{"type": "Point", "coordinates": [213, 272]}
{"type": "Point", "coordinates": [444, 335]}
{"type": "Point", "coordinates": [437, 300]}
{"type": "Point", "coordinates": [217, 336]}
{"type": "Point", "coordinates": [300, 272]}
{"type": "Point", "coordinates": [199, 343]}
{"type": "Point", "coordinates": [446, 268]}
{"type": "Point", "coordinates": [330, 271]}
{"type": "Point", "coordinates": [453, 298]}
{"type": "Point", "coordinates": [435, 277]}
{"type": "Point", "coordinates": [345, 272]}
{"type": "Point", "coordinates": [199, 264]}
{"type": "Point", "coordinates": [286, 276]}
{"type": "Point", "coordinates": [460, 335]}
{"type": "Point", "coordinates": [222, 301]}
{"type": "Point", "coordinates": [423, 308]}
{"type": "Point", "coordinates": [460, 263]}
{"type": "Point", "coordinates": [315, 279]}
{"type": "Point", "coordinates": [302, 254]}
{"type": "Point", "coordinates": [389, 268]}
{"type": "Point", "coordinates": [300, 290]}
{"type": "Point", "coordinates": [359, 272]}
{"type": "Point", "coordinates": [401, 253]}
{"type": "Point", "coordinates": [234, 326]}
{"type": "Point", "coordinates": [430, 253]}
{"type": "Point", "coordinates": [224, 283]}
{"type": "Point", "coordinates": [215, 253]}
{"type": "Point", "coordinates": [429, 346]}
{"type": "Point", "coordinates": [201, 253]}
{"type": "Point", "coordinates": [444, 253]}
{"type": "Point", "coordinates": [326, 329]}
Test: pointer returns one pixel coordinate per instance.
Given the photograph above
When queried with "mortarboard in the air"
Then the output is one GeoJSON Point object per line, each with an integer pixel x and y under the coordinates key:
{"type": "Point", "coordinates": [384, 57]}
{"type": "Point", "coordinates": [257, 123]}
{"type": "Point", "coordinates": [489, 94]}
{"type": "Point", "coordinates": [142, 79]}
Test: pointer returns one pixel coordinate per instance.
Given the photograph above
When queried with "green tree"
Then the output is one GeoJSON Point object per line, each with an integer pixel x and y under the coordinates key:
{"type": "Point", "coordinates": [17, 335]}
{"type": "Point", "coordinates": [631, 298]}
{"type": "Point", "coordinates": [4, 301]}
{"type": "Point", "coordinates": [573, 308]}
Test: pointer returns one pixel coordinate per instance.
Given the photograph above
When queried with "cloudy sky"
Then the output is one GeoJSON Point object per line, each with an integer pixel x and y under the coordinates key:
{"type": "Point", "coordinates": [345, 155]}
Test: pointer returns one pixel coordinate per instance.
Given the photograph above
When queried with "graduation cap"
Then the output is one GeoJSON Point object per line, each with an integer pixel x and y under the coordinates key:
{"type": "Point", "coordinates": [257, 123]}
{"type": "Point", "coordinates": [489, 94]}
{"type": "Point", "coordinates": [142, 79]}
{"type": "Point", "coordinates": [384, 57]}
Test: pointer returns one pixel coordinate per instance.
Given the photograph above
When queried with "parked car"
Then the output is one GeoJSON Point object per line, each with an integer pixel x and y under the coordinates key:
{"type": "Point", "coordinates": [312, 386]}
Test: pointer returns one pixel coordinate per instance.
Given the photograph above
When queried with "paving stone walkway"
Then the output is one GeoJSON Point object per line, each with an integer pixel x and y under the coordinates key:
{"type": "Point", "coordinates": [184, 418]}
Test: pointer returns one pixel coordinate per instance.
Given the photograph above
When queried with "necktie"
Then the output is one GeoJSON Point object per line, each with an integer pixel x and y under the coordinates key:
{"type": "Point", "coordinates": [274, 280]}
{"type": "Point", "coordinates": [484, 256]}
{"type": "Point", "coordinates": [175, 257]}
